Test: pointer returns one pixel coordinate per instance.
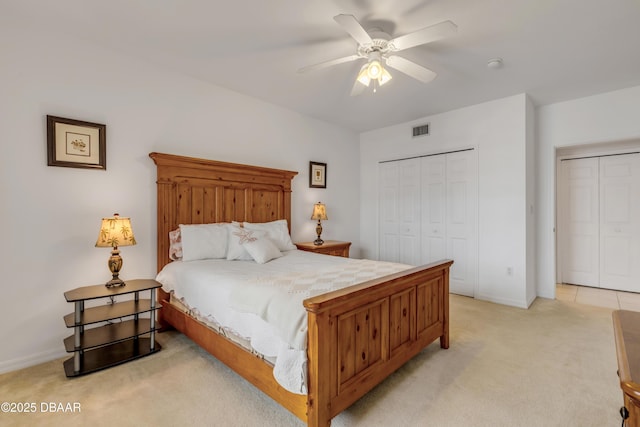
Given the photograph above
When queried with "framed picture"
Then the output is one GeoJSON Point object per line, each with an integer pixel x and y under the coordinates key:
{"type": "Point", "coordinates": [76, 144]}
{"type": "Point", "coordinates": [317, 175]}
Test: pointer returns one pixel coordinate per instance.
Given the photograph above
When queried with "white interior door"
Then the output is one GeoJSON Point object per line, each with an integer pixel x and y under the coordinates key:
{"type": "Point", "coordinates": [409, 202]}
{"type": "Point", "coordinates": [449, 216]}
{"type": "Point", "coordinates": [620, 222]}
{"type": "Point", "coordinates": [388, 212]}
{"type": "Point", "coordinates": [578, 203]}
{"type": "Point", "coordinates": [433, 241]}
{"type": "Point", "coordinates": [399, 212]}
{"type": "Point", "coordinates": [428, 212]}
{"type": "Point", "coordinates": [461, 221]}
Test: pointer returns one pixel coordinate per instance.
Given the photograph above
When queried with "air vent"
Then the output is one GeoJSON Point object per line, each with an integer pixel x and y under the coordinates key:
{"type": "Point", "coordinates": [421, 130]}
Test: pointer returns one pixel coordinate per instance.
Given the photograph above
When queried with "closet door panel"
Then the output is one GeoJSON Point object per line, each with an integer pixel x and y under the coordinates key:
{"type": "Point", "coordinates": [620, 222]}
{"type": "Point", "coordinates": [400, 212]}
{"type": "Point", "coordinates": [409, 211]}
{"type": "Point", "coordinates": [461, 221]}
{"type": "Point", "coordinates": [433, 210]}
{"type": "Point", "coordinates": [579, 211]}
{"type": "Point", "coordinates": [388, 213]}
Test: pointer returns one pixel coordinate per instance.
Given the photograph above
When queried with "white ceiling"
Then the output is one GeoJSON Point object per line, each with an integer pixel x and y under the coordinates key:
{"type": "Point", "coordinates": [553, 50]}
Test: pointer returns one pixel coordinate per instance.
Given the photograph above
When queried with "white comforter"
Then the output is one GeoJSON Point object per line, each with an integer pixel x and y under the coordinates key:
{"type": "Point", "coordinates": [263, 302]}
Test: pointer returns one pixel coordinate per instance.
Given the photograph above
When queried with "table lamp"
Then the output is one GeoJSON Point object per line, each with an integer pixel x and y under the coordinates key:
{"type": "Point", "coordinates": [115, 231]}
{"type": "Point", "coordinates": [319, 213]}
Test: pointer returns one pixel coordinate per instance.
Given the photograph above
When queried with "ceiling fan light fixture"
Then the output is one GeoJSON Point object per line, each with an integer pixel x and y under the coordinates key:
{"type": "Point", "coordinates": [385, 76]}
{"type": "Point", "coordinates": [363, 75]}
{"type": "Point", "coordinates": [373, 71]}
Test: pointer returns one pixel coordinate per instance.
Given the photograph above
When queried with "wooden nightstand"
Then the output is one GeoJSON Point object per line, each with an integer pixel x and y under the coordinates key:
{"type": "Point", "coordinates": [119, 333]}
{"type": "Point", "coordinates": [329, 247]}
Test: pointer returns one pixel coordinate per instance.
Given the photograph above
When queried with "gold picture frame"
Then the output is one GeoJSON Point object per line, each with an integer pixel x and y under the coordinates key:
{"type": "Point", "coordinates": [317, 175]}
{"type": "Point", "coordinates": [76, 144]}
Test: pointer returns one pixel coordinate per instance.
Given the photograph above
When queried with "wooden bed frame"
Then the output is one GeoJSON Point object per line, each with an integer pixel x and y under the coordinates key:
{"type": "Point", "coordinates": [357, 336]}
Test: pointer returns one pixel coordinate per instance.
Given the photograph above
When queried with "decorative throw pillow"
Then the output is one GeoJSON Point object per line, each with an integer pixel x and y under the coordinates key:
{"type": "Point", "coordinates": [237, 236]}
{"type": "Point", "coordinates": [277, 231]}
{"type": "Point", "coordinates": [203, 241]}
{"type": "Point", "coordinates": [261, 249]}
{"type": "Point", "coordinates": [175, 245]}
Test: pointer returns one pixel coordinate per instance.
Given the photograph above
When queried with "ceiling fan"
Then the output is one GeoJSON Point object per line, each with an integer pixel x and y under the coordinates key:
{"type": "Point", "coordinates": [379, 48]}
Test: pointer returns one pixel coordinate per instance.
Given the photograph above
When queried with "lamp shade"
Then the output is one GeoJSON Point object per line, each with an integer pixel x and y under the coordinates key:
{"type": "Point", "coordinates": [319, 212]}
{"type": "Point", "coordinates": [115, 231]}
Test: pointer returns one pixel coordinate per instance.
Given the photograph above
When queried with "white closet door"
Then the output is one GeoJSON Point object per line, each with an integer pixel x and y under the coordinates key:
{"type": "Point", "coordinates": [400, 211]}
{"type": "Point", "coordinates": [620, 222]}
{"type": "Point", "coordinates": [428, 212]}
{"type": "Point", "coordinates": [388, 212]}
{"type": "Point", "coordinates": [578, 203]}
{"type": "Point", "coordinates": [449, 216]}
{"type": "Point", "coordinates": [434, 244]}
{"type": "Point", "coordinates": [461, 221]}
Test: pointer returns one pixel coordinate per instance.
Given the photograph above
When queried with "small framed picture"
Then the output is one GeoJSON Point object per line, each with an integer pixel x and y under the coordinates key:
{"type": "Point", "coordinates": [317, 175]}
{"type": "Point", "coordinates": [76, 144]}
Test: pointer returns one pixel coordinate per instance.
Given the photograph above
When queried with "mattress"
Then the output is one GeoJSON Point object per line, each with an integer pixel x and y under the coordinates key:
{"type": "Point", "coordinates": [261, 304]}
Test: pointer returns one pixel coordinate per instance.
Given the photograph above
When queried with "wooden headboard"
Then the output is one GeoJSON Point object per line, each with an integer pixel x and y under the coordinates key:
{"type": "Point", "coordinates": [199, 191]}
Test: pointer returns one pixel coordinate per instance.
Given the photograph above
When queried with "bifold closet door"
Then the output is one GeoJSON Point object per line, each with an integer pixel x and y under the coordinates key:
{"type": "Point", "coordinates": [449, 216]}
{"type": "Point", "coordinates": [620, 222]}
{"type": "Point", "coordinates": [599, 216]}
{"type": "Point", "coordinates": [428, 212]}
{"type": "Point", "coordinates": [434, 208]}
{"type": "Point", "coordinates": [578, 207]}
{"type": "Point", "coordinates": [400, 211]}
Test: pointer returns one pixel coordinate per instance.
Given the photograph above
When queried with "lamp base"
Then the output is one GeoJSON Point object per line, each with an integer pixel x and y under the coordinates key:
{"type": "Point", "coordinates": [115, 264]}
{"type": "Point", "coordinates": [318, 241]}
{"type": "Point", "coordinates": [114, 283]}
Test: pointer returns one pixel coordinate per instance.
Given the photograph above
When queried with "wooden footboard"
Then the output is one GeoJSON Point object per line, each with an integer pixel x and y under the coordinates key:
{"type": "Point", "coordinates": [360, 335]}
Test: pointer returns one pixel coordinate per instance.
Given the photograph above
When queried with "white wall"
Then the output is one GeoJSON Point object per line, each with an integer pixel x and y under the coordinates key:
{"type": "Point", "coordinates": [500, 131]}
{"type": "Point", "coordinates": [531, 291]}
{"type": "Point", "coordinates": [611, 117]}
{"type": "Point", "coordinates": [52, 215]}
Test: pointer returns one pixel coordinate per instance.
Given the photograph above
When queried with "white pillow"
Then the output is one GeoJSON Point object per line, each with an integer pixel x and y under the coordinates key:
{"type": "Point", "coordinates": [262, 249]}
{"type": "Point", "coordinates": [237, 236]}
{"type": "Point", "coordinates": [277, 231]}
{"type": "Point", "coordinates": [203, 241]}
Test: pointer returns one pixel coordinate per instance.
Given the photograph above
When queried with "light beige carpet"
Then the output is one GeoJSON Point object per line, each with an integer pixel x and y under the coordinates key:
{"type": "Point", "coordinates": [551, 365]}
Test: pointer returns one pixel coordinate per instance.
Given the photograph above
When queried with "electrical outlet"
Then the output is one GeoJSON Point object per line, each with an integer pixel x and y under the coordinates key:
{"type": "Point", "coordinates": [509, 271]}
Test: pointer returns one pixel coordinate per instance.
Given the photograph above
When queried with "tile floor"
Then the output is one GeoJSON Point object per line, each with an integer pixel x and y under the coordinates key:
{"type": "Point", "coordinates": [616, 300]}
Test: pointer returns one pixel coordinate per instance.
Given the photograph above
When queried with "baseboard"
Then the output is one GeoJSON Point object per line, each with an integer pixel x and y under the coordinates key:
{"type": "Point", "coordinates": [503, 301]}
{"type": "Point", "coordinates": [36, 359]}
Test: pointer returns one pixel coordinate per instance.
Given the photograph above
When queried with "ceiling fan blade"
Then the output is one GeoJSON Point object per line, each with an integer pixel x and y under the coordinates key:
{"type": "Point", "coordinates": [425, 35]}
{"type": "Point", "coordinates": [411, 69]}
{"type": "Point", "coordinates": [328, 63]}
{"type": "Point", "coordinates": [353, 27]}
